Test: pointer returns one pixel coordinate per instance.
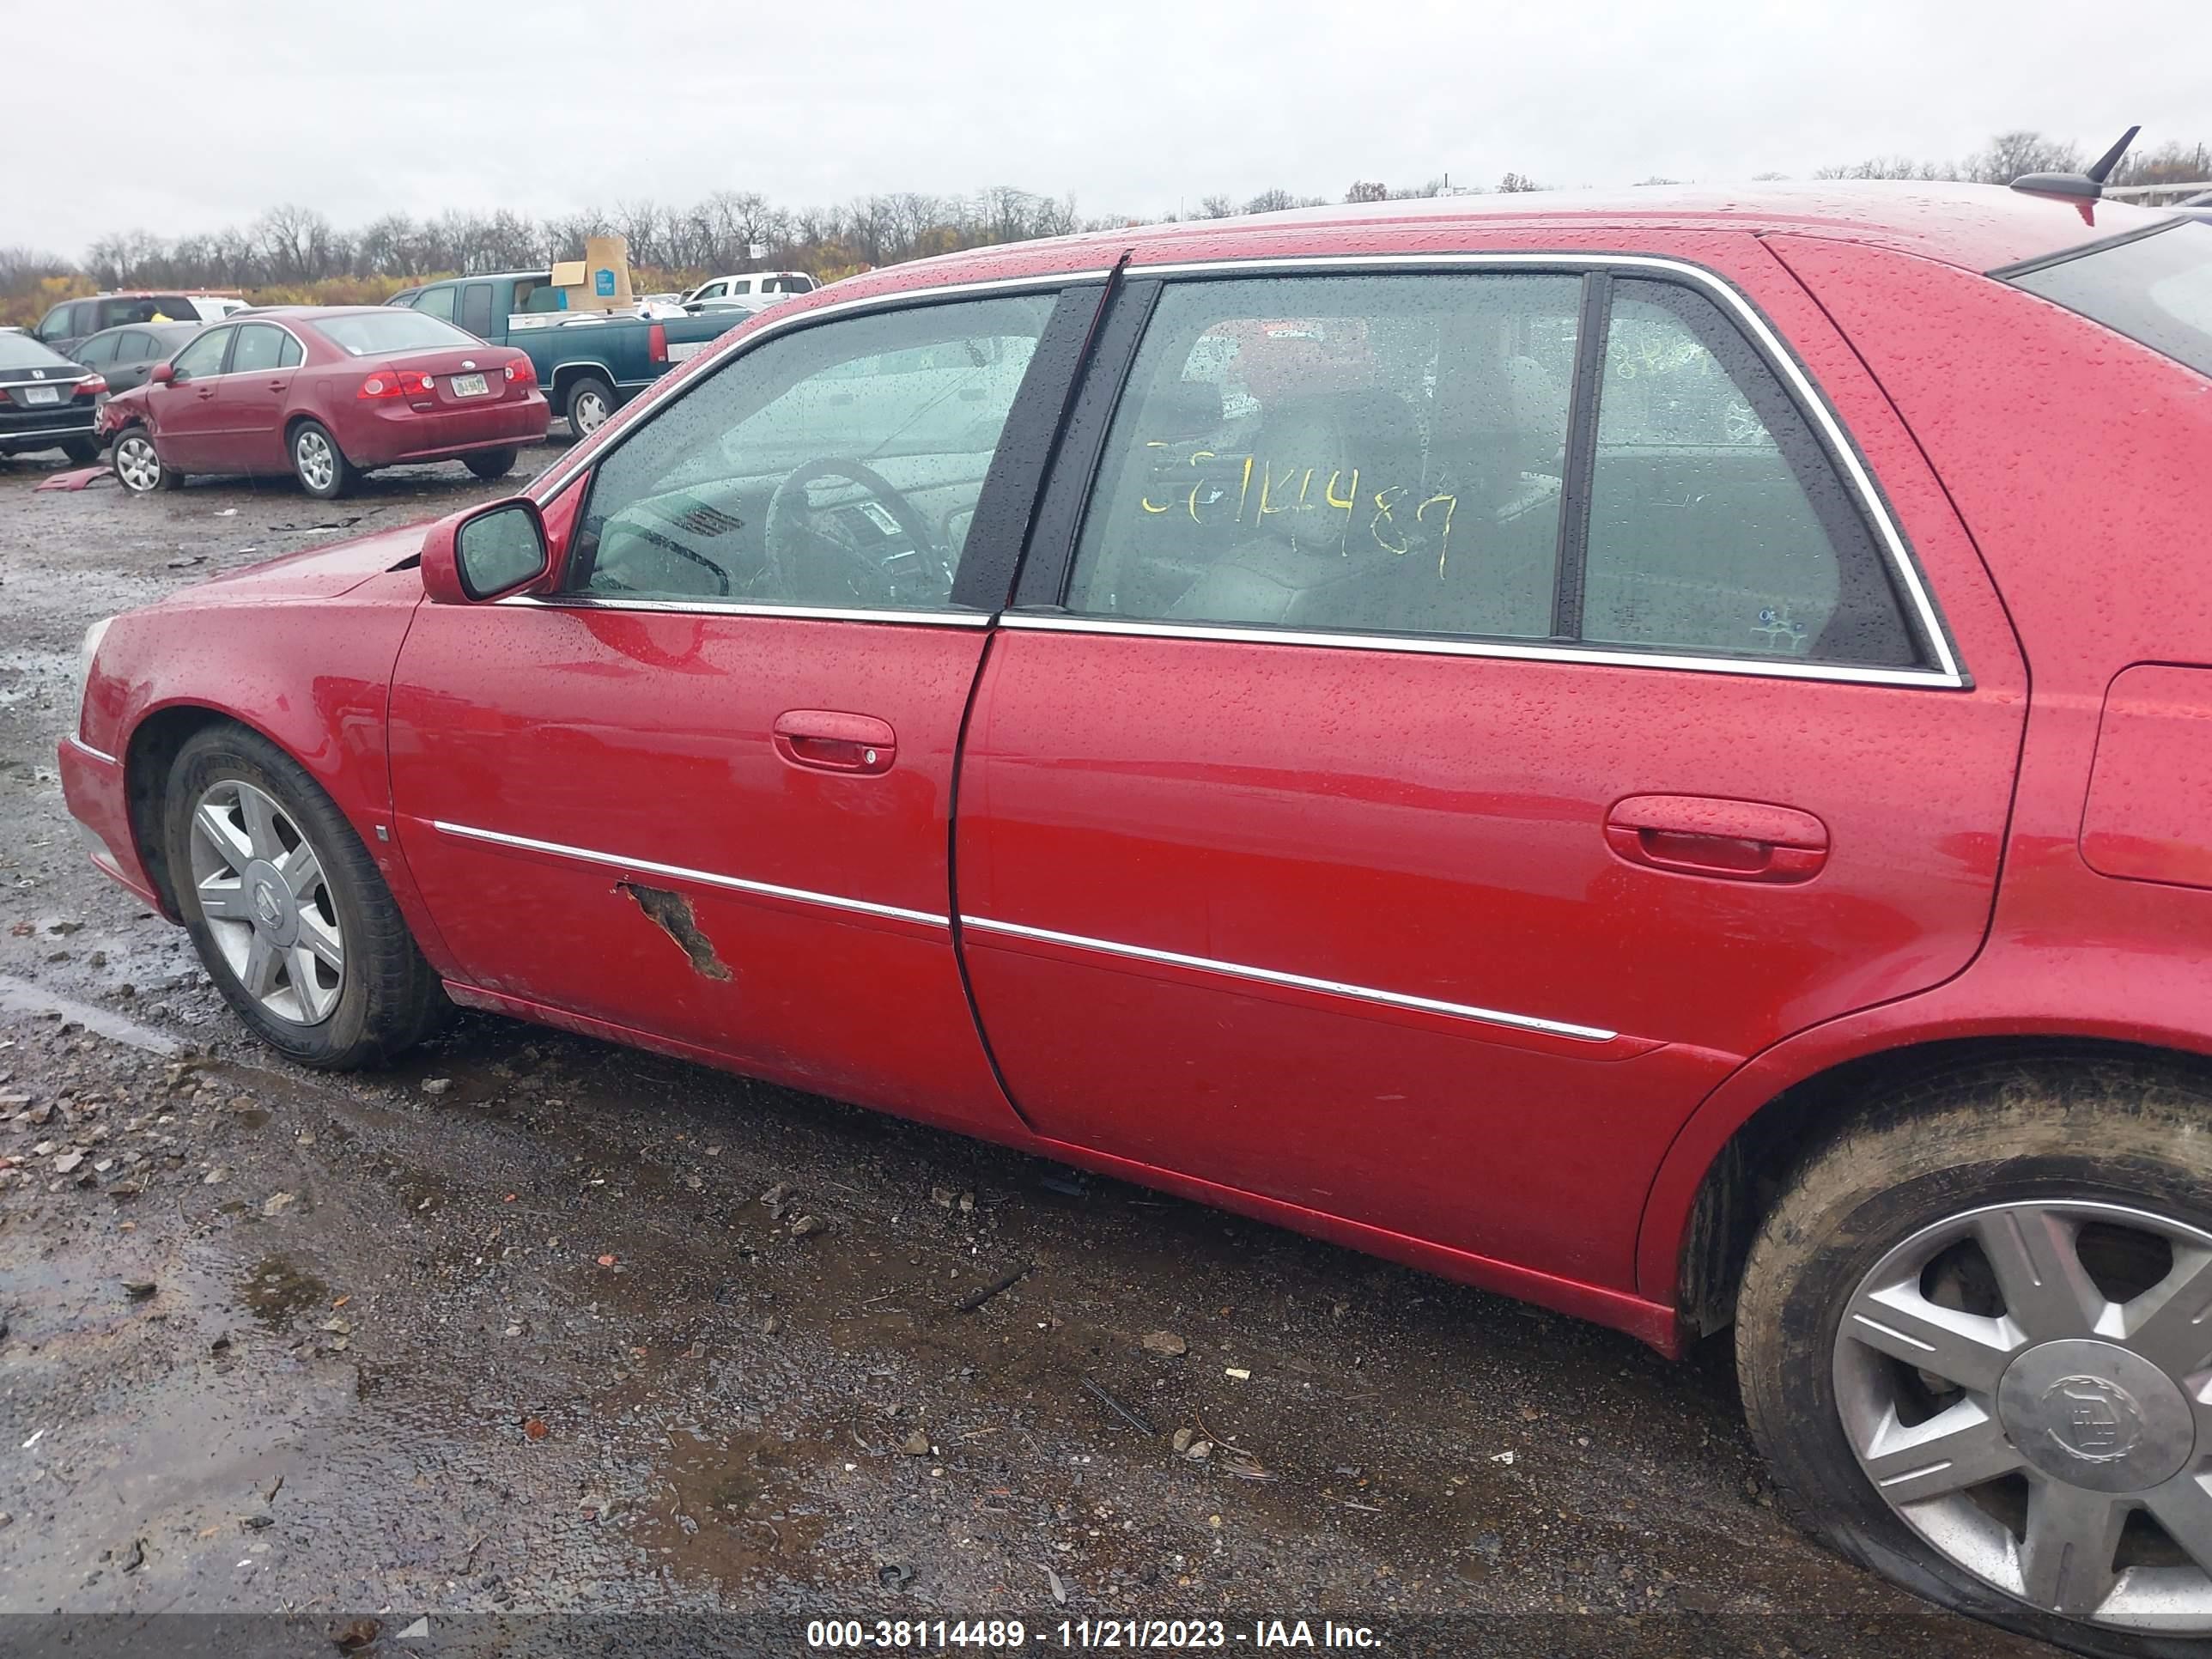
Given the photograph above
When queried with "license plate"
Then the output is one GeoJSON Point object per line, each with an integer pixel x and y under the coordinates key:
{"type": "Point", "coordinates": [42, 394]}
{"type": "Point", "coordinates": [468, 385]}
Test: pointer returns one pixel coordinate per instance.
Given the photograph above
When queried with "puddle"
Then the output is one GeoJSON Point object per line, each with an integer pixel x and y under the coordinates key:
{"type": "Point", "coordinates": [277, 1293]}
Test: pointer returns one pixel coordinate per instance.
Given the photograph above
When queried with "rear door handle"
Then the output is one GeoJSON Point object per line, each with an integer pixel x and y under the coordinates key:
{"type": "Point", "coordinates": [1728, 840]}
{"type": "Point", "coordinates": [825, 740]}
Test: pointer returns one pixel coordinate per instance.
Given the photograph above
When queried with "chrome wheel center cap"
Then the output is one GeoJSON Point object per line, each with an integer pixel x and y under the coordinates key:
{"type": "Point", "coordinates": [2094, 1414]}
{"type": "Point", "coordinates": [276, 911]}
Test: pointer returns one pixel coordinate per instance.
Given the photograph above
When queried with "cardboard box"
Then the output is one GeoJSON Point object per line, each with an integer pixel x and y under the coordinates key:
{"type": "Point", "coordinates": [598, 281]}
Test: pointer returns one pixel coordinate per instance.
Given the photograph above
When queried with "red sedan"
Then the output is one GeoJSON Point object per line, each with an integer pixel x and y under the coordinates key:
{"type": "Point", "coordinates": [327, 394]}
{"type": "Point", "coordinates": [1654, 756]}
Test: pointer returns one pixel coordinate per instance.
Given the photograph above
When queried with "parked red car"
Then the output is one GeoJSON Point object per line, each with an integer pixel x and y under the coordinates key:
{"type": "Point", "coordinates": [328, 394]}
{"type": "Point", "coordinates": [1652, 754]}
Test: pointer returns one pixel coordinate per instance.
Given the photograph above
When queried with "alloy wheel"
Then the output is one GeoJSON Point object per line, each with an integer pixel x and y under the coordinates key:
{"type": "Point", "coordinates": [136, 464]}
{"type": "Point", "coordinates": [268, 906]}
{"type": "Point", "coordinates": [317, 461]}
{"type": "Point", "coordinates": [2029, 1388]}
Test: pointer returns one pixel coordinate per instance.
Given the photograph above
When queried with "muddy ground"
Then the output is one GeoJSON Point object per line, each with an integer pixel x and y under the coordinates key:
{"type": "Point", "coordinates": [513, 1328]}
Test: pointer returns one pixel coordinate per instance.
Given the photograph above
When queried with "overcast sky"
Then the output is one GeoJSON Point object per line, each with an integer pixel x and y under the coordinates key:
{"type": "Point", "coordinates": [1135, 106]}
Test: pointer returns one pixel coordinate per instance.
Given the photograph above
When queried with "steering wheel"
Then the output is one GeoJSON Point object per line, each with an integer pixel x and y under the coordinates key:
{"type": "Point", "coordinates": [808, 565]}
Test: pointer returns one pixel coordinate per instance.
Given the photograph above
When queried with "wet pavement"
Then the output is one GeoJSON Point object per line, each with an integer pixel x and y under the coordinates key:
{"type": "Point", "coordinates": [530, 1324]}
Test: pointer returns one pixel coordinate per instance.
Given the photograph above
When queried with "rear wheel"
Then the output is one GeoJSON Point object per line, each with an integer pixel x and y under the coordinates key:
{"type": "Point", "coordinates": [589, 402]}
{"type": "Point", "coordinates": [83, 451]}
{"type": "Point", "coordinates": [492, 462]}
{"type": "Point", "coordinates": [321, 466]}
{"type": "Point", "coordinates": [1975, 1343]}
{"type": "Point", "coordinates": [287, 909]}
{"type": "Point", "coordinates": [138, 468]}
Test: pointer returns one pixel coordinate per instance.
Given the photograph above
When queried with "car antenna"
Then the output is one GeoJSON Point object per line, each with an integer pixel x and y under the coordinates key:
{"type": "Point", "coordinates": [2089, 184]}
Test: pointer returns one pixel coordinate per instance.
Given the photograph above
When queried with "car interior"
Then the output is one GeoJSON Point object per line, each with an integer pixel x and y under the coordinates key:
{"type": "Point", "coordinates": [835, 466]}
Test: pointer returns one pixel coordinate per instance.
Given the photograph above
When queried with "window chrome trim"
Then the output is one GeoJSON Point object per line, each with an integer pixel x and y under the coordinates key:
{"type": "Point", "coordinates": [724, 348]}
{"type": "Point", "coordinates": [1296, 982]}
{"type": "Point", "coordinates": [1445, 645]}
{"type": "Point", "coordinates": [1836, 441]}
{"type": "Point", "coordinates": [818, 613]}
{"type": "Point", "coordinates": [708, 878]}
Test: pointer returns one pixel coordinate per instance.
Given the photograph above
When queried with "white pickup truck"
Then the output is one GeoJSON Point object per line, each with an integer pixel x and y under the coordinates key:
{"type": "Point", "coordinates": [755, 291]}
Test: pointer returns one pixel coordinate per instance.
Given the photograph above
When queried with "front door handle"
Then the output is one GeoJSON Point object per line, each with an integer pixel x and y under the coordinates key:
{"type": "Point", "coordinates": [825, 740]}
{"type": "Point", "coordinates": [1730, 839]}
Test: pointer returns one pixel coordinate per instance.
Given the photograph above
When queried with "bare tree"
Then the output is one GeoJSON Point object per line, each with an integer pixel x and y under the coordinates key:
{"type": "Point", "coordinates": [1515, 183]}
{"type": "Point", "coordinates": [1367, 190]}
{"type": "Point", "coordinates": [1216, 207]}
{"type": "Point", "coordinates": [1271, 201]}
{"type": "Point", "coordinates": [2021, 151]}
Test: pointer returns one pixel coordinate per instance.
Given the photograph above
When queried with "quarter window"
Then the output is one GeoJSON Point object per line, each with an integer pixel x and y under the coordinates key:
{"type": "Point", "coordinates": [1339, 453]}
{"type": "Point", "coordinates": [835, 465]}
{"type": "Point", "coordinates": [1716, 523]}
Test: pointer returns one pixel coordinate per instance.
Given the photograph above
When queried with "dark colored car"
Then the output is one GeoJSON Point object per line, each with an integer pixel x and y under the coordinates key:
{"type": "Point", "coordinates": [46, 402]}
{"type": "Point", "coordinates": [1653, 755]}
{"type": "Point", "coordinates": [78, 320]}
{"type": "Point", "coordinates": [328, 394]}
{"type": "Point", "coordinates": [125, 356]}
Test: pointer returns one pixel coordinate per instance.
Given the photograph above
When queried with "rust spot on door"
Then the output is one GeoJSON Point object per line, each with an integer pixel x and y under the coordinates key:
{"type": "Point", "coordinates": [672, 914]}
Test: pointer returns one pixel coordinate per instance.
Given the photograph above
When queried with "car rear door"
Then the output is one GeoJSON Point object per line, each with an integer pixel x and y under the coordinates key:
{"type": "Point", "coordinates": [252, 397]}
{"type": "Point", "coordinates": [702, 792]}
{"type": "Point", "coordinates": [1471, 709]}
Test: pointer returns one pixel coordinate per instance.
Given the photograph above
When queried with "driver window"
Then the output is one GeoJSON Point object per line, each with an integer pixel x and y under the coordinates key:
{"type": "Point", "coordinates": [836, 465]}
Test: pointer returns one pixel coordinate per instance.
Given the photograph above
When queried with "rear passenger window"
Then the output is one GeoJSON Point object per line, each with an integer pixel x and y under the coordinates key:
{"type": "Point", "coordinates": [1717, 525]}
{"type": "Point", "coordinates": [1390, 454]}
{"type": "Point", "coordinates": [258, 349]}
{"type": "Point", "coordinates": [1339, 453]}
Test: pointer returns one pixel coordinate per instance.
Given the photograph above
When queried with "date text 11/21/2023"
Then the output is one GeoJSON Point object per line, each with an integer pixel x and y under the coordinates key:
{"type": "Point", "coordinates": [990, 1634]}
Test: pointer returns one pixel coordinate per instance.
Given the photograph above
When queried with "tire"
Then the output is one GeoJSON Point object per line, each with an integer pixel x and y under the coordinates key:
{"type": "Point", "coordinates": [380, 996]}
{"type": "Point", "coordinates": [2074, 1173]}
{"type": "Point", "coordinates": [85, 452]}
{"type": "Point", "coordinates": [588, 403]}
{"type": "Point", "coordinates": [492, 462]}
{"type": "Point", "coordinates": [318, 464]}
{"type": "Point", "coordinates": [138, 469]}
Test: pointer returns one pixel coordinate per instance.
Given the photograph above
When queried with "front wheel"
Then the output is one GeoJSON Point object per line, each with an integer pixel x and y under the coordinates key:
{"type": "Point", "coordinates": [322, 469]}
{"type": "Point", "coordinates": [287, 909]}
{"type": "Point", "coordinates": [138, 468]}
{"type": "Point", "coordinates": [1974, 1340]}
{"type": "Point", "coordinates": [492, 462]}
{"type": "Point", "coordinates": [589, 402]}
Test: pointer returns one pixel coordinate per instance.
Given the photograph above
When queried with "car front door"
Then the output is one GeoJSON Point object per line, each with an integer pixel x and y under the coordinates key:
{"type": "Point", "coordinates": [700, 791]}
{"type": "Point", "coordinates": [250, 400]}
{"type": "Point", "coordinates": [1472, 710]}
{"type": "Point", "coordinates": [183, 413]}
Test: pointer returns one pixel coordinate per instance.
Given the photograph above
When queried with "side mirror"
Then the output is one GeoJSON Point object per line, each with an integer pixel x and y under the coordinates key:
{"type": "Point", "coordinates": [162, 374]}
{"type": "Point", "coordinates": [485, 553]}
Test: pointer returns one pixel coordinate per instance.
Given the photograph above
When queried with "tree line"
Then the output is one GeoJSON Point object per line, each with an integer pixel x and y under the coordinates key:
{"type": "Point", "coordinates": [294, 254]}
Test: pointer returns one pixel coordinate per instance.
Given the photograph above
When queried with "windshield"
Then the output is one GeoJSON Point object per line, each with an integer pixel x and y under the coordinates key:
{"type": "Point", "coordinates": [2156, 289]}
{"type": "Point", "coordinates": [373, 334]}
{"type": "Point", "coordinates": [21, 351]}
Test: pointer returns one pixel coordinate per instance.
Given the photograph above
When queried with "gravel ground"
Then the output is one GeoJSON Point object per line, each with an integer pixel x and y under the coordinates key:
{"type": "Point", "coordinates": [527, 1325]}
